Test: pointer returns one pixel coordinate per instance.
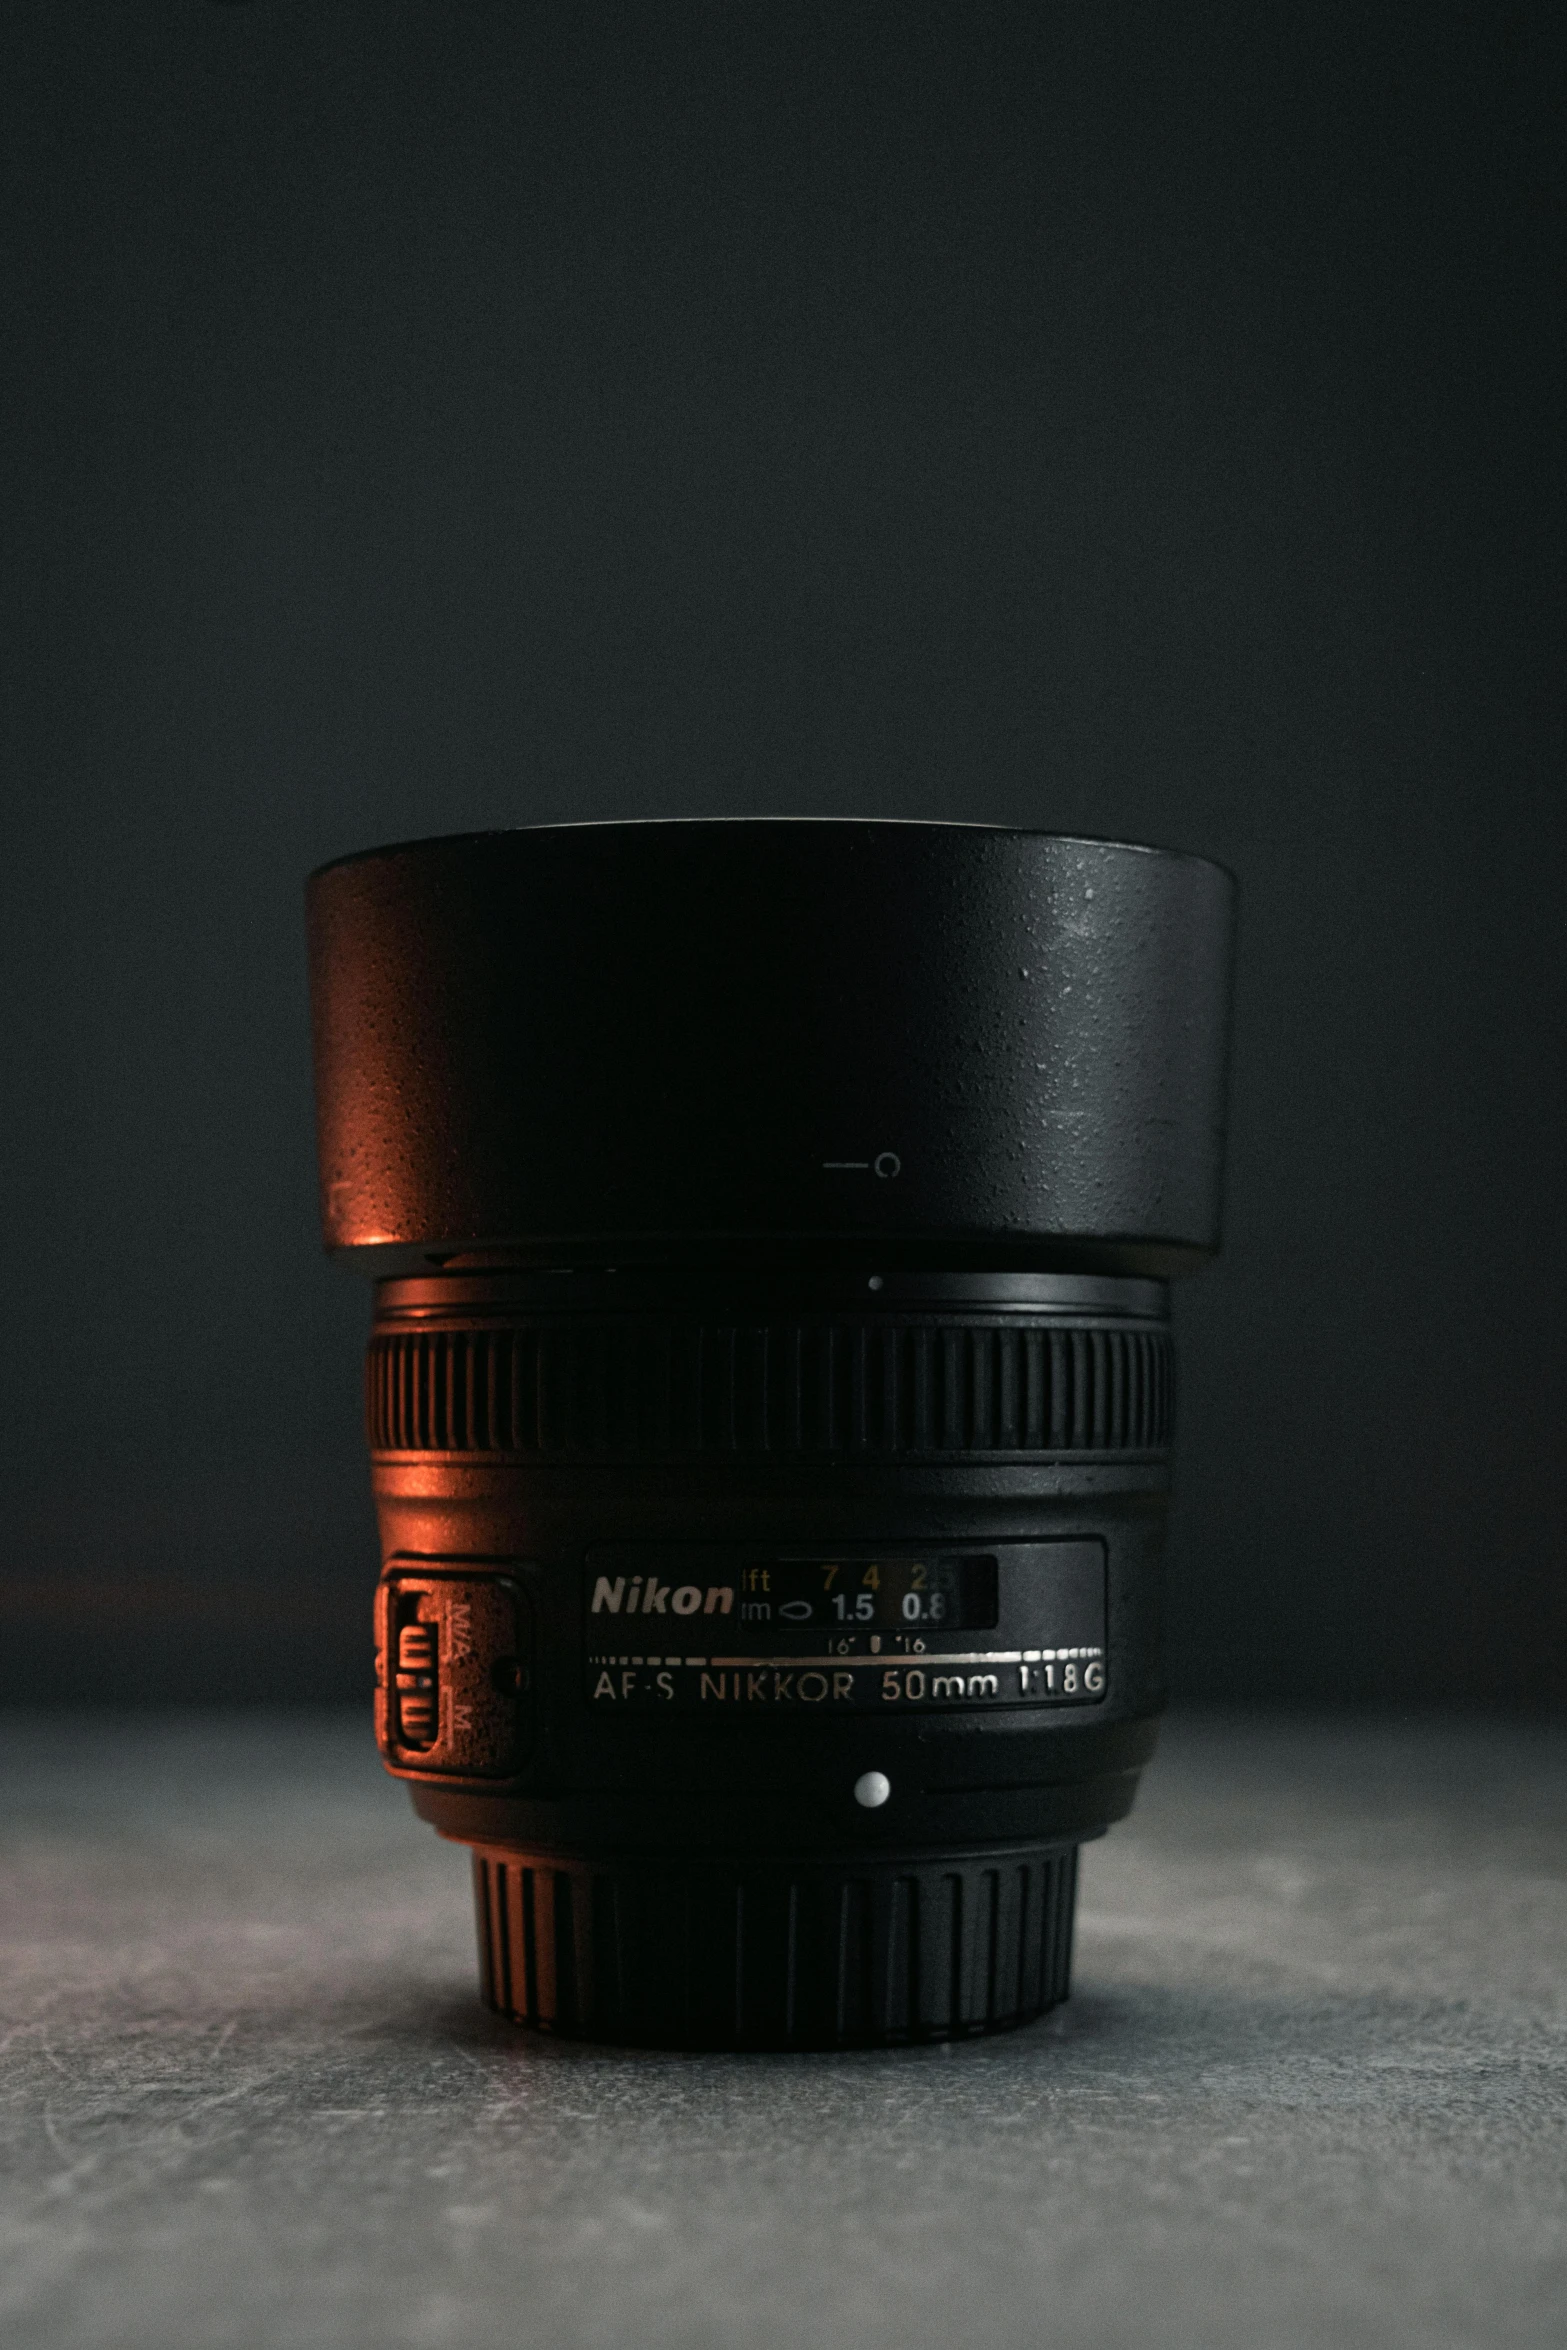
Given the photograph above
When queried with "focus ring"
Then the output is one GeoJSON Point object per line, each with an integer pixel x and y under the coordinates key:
{"type": "Point", "coordinates": [775, 1957]}
{"type": "Point", "coordinates": [645, 1386]}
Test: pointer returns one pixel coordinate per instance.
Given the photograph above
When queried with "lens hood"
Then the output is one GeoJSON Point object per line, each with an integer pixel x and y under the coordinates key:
{"type": "Point", "coordinates": [959, 1043]}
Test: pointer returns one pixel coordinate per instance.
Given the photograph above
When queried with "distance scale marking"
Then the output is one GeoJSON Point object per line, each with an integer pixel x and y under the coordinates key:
{"type": "Point", "coordinates": [716, 1629]}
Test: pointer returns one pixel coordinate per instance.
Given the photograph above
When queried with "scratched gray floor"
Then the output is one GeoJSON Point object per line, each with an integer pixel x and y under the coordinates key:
{"type": "Point", "coordinates": [1312, 2088]}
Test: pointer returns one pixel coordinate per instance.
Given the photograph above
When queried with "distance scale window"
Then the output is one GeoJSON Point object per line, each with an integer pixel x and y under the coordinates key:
{"type": "Point", "coordinates": [885, 1595]}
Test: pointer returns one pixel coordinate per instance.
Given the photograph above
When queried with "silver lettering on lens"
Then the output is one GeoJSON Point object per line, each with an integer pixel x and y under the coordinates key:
{"type": "Point", "coordinates": [609, 1597]}
{"type": "Point", "coordinates": [1035, 1615]}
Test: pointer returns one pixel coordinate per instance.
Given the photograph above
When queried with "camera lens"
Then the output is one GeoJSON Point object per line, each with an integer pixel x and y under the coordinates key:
{"type": "Point", "coordinates": [770, 1390]}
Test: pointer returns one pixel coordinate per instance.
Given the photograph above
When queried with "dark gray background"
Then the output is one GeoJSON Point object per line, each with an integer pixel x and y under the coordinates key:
{"type": "Point", "coordinates": [1134, 419]}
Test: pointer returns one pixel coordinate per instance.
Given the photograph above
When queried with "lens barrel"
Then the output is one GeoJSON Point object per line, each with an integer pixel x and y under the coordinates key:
{"type": "Point", "coordinates": [770, 1390]}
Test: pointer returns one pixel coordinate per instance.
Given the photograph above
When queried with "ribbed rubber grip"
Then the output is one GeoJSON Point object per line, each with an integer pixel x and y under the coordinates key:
{"type": "Point", "coordinates": [854, 1954]}
{"type": "Point", "coordinates": [646, 1385]}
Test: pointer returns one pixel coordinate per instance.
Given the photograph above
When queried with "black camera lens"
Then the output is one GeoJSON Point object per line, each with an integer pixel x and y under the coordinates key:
{"type": "Point", "coordinates": [770, 1390]}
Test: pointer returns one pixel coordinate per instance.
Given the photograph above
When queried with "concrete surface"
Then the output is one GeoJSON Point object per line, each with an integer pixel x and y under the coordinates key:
{"type": "Point", "coordinates": [1311, 2089]}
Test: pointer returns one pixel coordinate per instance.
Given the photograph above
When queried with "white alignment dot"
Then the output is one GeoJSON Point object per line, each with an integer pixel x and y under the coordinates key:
{"type": "Point", "coordinates": [872, 1788]}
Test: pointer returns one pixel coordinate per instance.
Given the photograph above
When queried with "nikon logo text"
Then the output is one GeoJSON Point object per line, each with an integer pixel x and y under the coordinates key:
{"type": "Point", "coordinates": [647, 1596]}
